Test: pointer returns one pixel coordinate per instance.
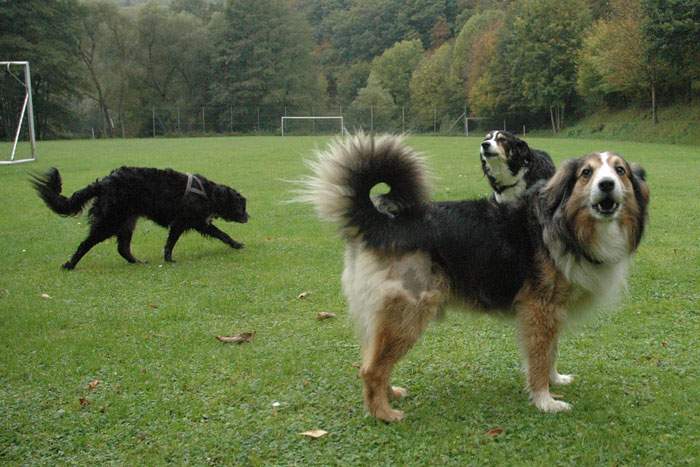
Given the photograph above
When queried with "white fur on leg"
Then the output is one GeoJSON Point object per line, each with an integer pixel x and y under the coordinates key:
{"type": "Point", "coordinates": [558, 378]}
{"type": "Point", "coordinates": [544, 401]}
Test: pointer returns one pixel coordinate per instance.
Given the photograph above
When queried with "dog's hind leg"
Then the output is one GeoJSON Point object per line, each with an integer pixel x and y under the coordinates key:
{"type": "Point", "coordinates": [397, 326]}
{"type": "Point", "coordinates": [98, 233]}
{"type": "Point", "coordinates": [176, 229]}
{"type": "Point", "coordinates": [211, 230]}
{"type": "Point", "coordinates": [124, 240]}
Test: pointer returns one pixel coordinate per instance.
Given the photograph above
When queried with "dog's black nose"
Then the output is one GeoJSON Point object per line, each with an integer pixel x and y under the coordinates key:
{"type": "Point", "coordinates": [485, 144]}
{"type": "Point", "coordinates": [606, 185]}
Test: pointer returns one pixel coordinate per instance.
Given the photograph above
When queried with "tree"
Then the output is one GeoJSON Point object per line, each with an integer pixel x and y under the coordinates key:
{"type": "Point", "coordinates": [542, 42]}
{"type": "Point", "coordinates": [44, 33]}
{"type": "Point", "coordinates": [616, 57]}
{"type": "Point", "coordinates": [475, 47]}
{"type": "Point", "coordinates": [672, 29]}
{"type": "Point", "coordinates": [262, 55]}
{"type": "Point", "coordinates": [373, 106]}
{"type": "Point", "coordinates": [393, 69]}
{"type": "Point", "coordinates": [433, 89]}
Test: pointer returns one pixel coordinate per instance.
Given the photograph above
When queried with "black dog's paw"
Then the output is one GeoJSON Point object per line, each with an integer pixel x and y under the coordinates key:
{"type": "Point", "coordinates": [68, 266]}
{"type": "Point", "coordinates": [237, 245]}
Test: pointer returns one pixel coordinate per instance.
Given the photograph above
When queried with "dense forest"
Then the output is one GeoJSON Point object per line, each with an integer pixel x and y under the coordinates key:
{"type": "Point", "coordinates": [135, 68]}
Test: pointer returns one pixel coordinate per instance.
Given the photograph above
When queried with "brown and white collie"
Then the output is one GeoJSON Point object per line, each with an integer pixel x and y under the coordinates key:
{"type": "Point", "coordinates": [565, 245]}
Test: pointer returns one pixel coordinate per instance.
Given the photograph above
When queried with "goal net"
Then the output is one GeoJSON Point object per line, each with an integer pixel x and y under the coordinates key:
{"type": "Point", "coordinates": [312, 125]}
{"type": "Point", "coordinates": [16, 114]}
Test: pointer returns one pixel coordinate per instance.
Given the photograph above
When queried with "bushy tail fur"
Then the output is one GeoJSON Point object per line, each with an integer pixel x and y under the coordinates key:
{"type": "Point", "coordinates": [346, 171]}
{"type": "Point", "coordinates": [48, 186]}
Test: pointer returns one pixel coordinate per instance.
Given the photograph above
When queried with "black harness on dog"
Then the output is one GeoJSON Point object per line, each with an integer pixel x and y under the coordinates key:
{"type": "Point", "coordinates": [196, 190]}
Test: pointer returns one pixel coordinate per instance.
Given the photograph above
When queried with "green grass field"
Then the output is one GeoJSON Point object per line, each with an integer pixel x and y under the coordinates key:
{"type": "Point", "coordinates": [170, 393]}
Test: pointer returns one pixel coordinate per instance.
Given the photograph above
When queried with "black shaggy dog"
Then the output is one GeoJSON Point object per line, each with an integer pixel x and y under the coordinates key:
{"type": "Point", "coordinates": [169, 198]}
{"type": "Point", "coordinates": [511, 166]}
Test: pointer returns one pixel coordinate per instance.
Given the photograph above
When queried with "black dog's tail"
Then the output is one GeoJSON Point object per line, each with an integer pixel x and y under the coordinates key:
{"type": "Point", "coordinates": [344, 174]}
{"type": "Point", "coordinates": [48, 186]}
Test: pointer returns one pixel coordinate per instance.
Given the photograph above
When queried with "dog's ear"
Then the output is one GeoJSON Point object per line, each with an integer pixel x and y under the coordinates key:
{"type": "Point", "coordinates": [638, 177]}
{"type": "Point", "coordinates": [558, 189]}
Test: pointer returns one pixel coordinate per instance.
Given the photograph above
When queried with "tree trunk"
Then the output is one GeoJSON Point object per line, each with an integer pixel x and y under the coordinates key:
{"type": "Point", "coordinates": [654, 117]}
{"type": "Point", "coordinates": [551, 117]}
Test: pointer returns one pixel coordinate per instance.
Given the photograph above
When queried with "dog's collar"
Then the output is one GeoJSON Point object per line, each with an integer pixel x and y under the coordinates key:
{"type": "Point", "coordinates": [498, 188]}
{"type": "Point", "coordinates": [199, 190]}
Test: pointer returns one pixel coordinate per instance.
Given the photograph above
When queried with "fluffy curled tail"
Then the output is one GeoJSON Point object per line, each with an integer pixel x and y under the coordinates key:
{"type": "Point", "coordinates": [345, 173]}
{"type": "Point", "coordinates": [48, 186]}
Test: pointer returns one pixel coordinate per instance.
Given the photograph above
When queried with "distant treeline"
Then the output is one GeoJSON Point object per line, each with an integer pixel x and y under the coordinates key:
{"type": "Point", "coordinates": [108, 65]}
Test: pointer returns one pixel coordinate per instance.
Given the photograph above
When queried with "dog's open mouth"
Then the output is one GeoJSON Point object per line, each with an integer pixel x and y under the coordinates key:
{"type": "Point", "coordinates": [606, 207]}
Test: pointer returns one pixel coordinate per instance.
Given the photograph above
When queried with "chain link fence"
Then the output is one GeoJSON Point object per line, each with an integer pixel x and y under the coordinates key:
{"type": "Point", "coordinates": [172, 121]}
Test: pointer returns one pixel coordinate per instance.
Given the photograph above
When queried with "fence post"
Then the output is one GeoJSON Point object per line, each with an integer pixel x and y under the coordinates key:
{"type": "Point", "coordinates": [258, 123]}
{"type": "Point", "coordinates": [371, 118]}
{"type": "Point", "coordinates": [523, 130]}
{"type": "Point", "coordinates": [179, 130]}
{"type": "Point", "coordinates": [153, 120]}
{"type": "Point", "coordinates": [434, 120]}
{"type": "Point", "coordinates": [403, 119]}
{"type": "Point", "coordinates": [230, 115]}
{"type": "Point", "coordinates": [504, 124]}
{"type": "Point", "coordinates": [204, 125]}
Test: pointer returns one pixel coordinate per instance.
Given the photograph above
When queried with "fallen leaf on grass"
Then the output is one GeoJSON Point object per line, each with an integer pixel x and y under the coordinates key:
{"type": "Point", "coordinates": [83, 402]}
{"type": "Point", "coordinates": [152, 305]}
{"type": "Point", "coordinates": [324, 315]}
{"type": "Point", "coordinates": [45, 296]}
{"type": "Point", "coordinates": [237, 339]}
{"type": "Point", "coordinates": [664, 344]}
{"type": "Point", "coordinates": [93, 384]}
{"type": "Point", "coordinates": [314, 434]}
{"type": "Point", "coordinates": [356, 365]}
{"type": "Point", "coordinates": [556, 396]}
{"type": "Point", "coordinates": [303, 295]}
{"type": "Point", "coordinates": [495, 431]}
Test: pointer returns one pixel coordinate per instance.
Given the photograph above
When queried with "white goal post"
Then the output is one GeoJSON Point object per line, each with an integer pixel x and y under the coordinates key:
{"type": "Point", "coordinates": [27, 109]}
{"type": "Point", "coordinates": [343, 131]}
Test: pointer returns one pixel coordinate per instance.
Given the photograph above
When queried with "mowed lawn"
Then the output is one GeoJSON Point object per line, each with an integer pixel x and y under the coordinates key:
{"type": "Point", "coordinates": [168, 391]}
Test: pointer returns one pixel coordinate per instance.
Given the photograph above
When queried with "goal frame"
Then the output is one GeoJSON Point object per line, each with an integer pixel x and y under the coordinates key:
{"type": "Point", "coordinates": [343, 131]}
{"type": "Point", "coordinates": [28, 108]}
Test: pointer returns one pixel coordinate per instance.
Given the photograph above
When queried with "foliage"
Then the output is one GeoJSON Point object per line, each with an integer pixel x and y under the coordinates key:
{"type": "Point", "coordinates": [373, 104]}
{"type": "Point", "coordinates": [393, 69]}
{"type": "Point", "coordinates": [45, 34]}
{"type": "Point", "coordinates": [434, 89]}
{"type": "Point", "coordinates": [474, 48]}
{"type": "Point", "coordinates": [262, 55]}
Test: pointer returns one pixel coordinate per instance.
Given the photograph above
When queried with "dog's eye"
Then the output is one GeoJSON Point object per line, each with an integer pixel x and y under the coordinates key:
{"type": "Point", "coordinates": [620, 170]}
{"type": "Point", "coordinates": [586, 173]}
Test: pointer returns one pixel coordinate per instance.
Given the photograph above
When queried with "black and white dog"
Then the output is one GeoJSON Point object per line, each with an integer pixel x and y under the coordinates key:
{"type": "Point", "coordinates": [511, 166]}
{"type": "Point", "coordinates": [171, 199]}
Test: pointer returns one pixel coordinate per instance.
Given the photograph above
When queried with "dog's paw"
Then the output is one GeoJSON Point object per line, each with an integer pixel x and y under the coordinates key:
{"type": "Point", "coordinates": [560, 379]}
{"type": "Point", "coordinates": [389, 415]}
{"type": "Point", "coordinates": [546, 403]}
{"type": "Point", "coordinates": [237, 245]}
{"type": "Point", "coordinates": [68, 266]}
{"type": "Point", "coordinates": [397, 392]}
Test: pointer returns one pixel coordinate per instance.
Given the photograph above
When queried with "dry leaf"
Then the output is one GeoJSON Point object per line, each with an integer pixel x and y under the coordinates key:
{"type": "Point", "coordinates": [556, 396]}
{"type": "Point", "coordinates": [303, 295]}
{"type": "Point", "coordinates": [664, 344]}
{"type": "Point", "coordinates": [152, 305]}
{"type": "Point", "coordinates": [83, 402]}
{"type": "Point", "coordinates": [315, 434]}
{"type": "Point", "coordinates": [356, 365]}
{"type": "Point", "coordinates": [324, 315]}
{"type": "Point", "coordinates": [495, 431]}
{"type": "Point", "coordinates": [238, 338]}
{"type": "Point", "coordinates": [45, 296]}
{"type": "Point", "coordinates": [93, 384]}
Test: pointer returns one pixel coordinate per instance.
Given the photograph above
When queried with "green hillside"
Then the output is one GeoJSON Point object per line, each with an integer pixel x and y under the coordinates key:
{"type": "Point", "coordinates": [679, 124]}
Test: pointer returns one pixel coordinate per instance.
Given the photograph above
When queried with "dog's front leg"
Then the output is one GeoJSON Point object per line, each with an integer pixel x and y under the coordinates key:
{"type": "Point", "coordinates": [540, 325]}
{"type": "Point", "coordinates": [212, 231]}
{"type": "Point", "coordinates": [176, 229]}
